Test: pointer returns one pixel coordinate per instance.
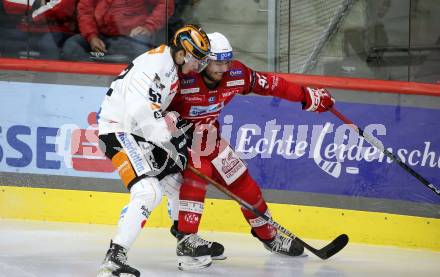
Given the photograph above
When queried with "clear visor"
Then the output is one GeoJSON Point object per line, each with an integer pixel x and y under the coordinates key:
{"type": "Point", "coordinates": [198, 64]}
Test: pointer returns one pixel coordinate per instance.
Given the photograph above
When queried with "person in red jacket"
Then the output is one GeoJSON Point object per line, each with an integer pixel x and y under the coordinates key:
{"type": "Point", "coordinates": [117, 28]}
{"type": "Point", "coordinates": [200, 101]}
{"type": "Point", "coordinates": [41, 26]}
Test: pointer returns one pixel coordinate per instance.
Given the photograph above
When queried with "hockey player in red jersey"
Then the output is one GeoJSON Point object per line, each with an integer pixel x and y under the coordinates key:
{"type": "Point", "coordinates": [201, 98]}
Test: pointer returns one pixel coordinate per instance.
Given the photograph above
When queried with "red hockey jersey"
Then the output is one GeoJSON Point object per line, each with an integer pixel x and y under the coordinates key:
{"type": "Point", "coordinates": [200, 105]}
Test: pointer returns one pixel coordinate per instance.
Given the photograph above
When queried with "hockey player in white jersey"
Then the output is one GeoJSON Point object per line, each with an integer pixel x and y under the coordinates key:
{"type": "Point", "coordinates": [136, 136]}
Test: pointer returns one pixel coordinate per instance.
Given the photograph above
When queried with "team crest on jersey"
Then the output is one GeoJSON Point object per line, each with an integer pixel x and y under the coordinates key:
{"type": "Point", "coordinates": [189, 90]}
{"type": "Point", "coordinates": [211, 99]}
{"type": "Point", "coordinates": [234, 83]}
{"type": "Point", "coordinates": [188, 81]}
{"type": "Point", "coordinates": [236, 73]}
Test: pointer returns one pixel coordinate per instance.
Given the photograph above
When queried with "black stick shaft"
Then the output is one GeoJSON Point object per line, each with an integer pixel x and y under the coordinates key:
{"type": "Point", "coordinates": [322, 253]}
{"type": "Point", "coordinates": [390, 155]}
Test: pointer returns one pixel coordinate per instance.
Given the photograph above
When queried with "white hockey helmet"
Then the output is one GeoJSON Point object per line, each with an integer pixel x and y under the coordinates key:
{"type": "Point", "coordinates": [221, 49]}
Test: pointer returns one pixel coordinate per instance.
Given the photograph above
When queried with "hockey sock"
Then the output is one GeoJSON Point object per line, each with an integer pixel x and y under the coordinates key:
{"type": "Point", "coordinates": [247, 189]}
{"type": "Point", "coordinates": [171, 184]}
{"type": "Point", "coordinates": [192, 197]}
{"type": "Point", "coordinates": [261, 228]}
{"type": "Point", "coordinates": [145, 195]}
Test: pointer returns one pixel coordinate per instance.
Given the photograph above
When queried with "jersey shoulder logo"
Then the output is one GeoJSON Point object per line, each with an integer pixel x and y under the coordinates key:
{"type": "Point", "coordinates": [158, 82]}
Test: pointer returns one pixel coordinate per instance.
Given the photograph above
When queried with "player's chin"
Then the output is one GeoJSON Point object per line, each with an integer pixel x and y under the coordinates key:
{"type": "Point", "coordinates": [218, 76]}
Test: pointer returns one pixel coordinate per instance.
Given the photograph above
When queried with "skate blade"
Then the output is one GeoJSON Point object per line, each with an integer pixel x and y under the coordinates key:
{"type": "Point", "coordinates": [105, 273]}
{"type": "Point", "coordinates": [106, 269]}
{"type": "Point", "coordinates": [109, 269]}
{"type": "Point", "coordinates": [295, 257]}
{"type": "Point", "coordinates": [192, 263]}
{"type": "Point", "coordinates": [219, 257]}
{"type": "Point", "coordinates": [303, 255]}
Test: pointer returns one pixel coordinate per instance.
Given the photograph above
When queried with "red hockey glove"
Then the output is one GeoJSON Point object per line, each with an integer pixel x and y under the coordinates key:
{"type": "Point", "coordinates": [317, 100]}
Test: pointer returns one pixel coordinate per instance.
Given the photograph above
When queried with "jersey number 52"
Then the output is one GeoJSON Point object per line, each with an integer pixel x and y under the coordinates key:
{"type": "Point", "coordinates": [154, 96]}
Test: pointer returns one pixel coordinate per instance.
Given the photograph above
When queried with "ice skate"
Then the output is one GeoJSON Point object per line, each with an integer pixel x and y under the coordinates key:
{"type": "Point", "coordinates": [114, 263]}
{"type": "Point", "coordinates": [216, 249]}
{"type": "Point", "coordinates": [282, 245]}
{"type": "Point", "coordinates": [193, 252]}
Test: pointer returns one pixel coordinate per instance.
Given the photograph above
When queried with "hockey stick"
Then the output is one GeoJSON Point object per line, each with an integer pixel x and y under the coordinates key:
{"type": "Point", "coordinates": [390, 155]}
{"type": "Point", "coordinates": [324, 253]}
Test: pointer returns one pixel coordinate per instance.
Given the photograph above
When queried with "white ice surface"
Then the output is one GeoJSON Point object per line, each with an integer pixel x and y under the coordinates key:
{"type": "Point", "coordinates": [33, 248]}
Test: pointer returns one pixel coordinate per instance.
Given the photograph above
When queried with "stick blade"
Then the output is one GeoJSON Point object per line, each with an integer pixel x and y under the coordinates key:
{"type": "Point", "coordinates": [334, 247]}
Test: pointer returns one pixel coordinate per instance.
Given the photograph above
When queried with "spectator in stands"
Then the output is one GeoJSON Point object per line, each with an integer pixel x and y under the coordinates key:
{"type": "Point", "coordinates": [182, 15]}
{"type": "Point", "coordinates": [7, 23]}
{"type": "Point", "coordinates": [6, 20]}
{"type": "Point", "coordinates": [117, 30]}
{"type": "Point", "coordinates": [39, 28]}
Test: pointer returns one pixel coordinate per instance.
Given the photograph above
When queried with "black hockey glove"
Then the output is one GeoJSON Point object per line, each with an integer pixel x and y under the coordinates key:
{"type": "Point", "coordinates": [186, 128]}
{"type": "Point", "coordinates": [177, 148]}
{"type": "Point", "coordinates": [181, 145]}
{"type": "Point", "coordinates": [176, 151]}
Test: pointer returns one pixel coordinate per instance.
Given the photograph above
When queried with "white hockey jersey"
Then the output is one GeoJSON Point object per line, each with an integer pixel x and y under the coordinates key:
{"type": "Point", "coordinates": [136, 99]}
